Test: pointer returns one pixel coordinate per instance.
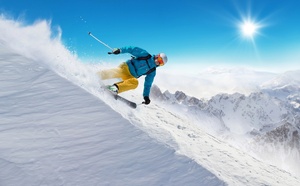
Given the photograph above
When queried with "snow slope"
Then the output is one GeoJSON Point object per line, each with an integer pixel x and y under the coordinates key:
{"type": "Point", "coordinates": [54, 133]}
{"type": "Point", "coordinates": [58, 130]}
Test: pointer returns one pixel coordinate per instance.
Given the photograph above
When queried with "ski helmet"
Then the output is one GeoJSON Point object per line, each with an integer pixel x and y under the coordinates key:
{"type": "Point", "coordinates": [162, 59]}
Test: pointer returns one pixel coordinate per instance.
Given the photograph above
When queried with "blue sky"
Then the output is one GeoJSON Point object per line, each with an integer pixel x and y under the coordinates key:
{"type": "Point", "coordinates": [189, 32]}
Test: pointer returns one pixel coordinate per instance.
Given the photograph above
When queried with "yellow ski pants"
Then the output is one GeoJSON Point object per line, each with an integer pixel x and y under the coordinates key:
{"type": "Point", "coordinates": [128, 81]}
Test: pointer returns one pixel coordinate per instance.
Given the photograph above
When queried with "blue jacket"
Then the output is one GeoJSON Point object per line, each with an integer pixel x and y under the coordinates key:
{"type": "Point", "coordinates": [138, 67]}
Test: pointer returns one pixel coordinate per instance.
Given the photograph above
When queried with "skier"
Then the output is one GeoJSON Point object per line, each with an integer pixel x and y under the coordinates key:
{"type": "Point", "coordinates": [141, 63]}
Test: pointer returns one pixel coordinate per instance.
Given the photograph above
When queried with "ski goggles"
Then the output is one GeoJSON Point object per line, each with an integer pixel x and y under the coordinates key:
{"type": "Point", "coordinates": [160, 60]}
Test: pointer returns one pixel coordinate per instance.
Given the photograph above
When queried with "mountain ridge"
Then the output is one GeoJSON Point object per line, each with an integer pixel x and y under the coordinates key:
{"type": "Point", "coordinates": [262, 116]}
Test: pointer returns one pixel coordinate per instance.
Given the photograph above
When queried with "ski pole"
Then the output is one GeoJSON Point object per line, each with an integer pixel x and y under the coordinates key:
{"type": "Point", "coordinates": [100, 41]}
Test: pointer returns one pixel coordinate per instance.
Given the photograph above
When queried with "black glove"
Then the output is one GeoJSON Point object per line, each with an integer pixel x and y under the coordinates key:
{"type": "Point", "coordinates": [116, 51]}
{"type": "Point", "coordinates": [147, 100]}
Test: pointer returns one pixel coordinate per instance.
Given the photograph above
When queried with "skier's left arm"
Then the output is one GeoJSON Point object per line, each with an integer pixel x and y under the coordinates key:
{"type": "Point", "coordinates": [147, 86]}
{"type": "Point", "coordinates": [135, 51]}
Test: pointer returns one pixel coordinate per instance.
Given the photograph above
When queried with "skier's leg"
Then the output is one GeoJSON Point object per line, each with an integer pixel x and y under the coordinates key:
{"type": "Point", "coordinates": [111, 73]}
{"type": "Point", "coordinates": [127, 84]}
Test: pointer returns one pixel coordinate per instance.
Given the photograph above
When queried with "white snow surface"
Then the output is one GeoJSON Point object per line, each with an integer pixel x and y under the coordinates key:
{"type": "Point", "coordinates": [58, 127]}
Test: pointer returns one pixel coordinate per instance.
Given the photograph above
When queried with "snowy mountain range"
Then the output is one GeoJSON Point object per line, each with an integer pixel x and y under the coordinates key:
{"type": "Point", "coordinates": [269, 118]}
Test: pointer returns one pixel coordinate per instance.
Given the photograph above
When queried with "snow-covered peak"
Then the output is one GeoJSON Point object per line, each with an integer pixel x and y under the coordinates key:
{"type": "Point", "coordinates": [283, 86]}
{"type": "Point", "coordinates": [289, 78]}
{"type": "Point", "coordinates": [241, 114]}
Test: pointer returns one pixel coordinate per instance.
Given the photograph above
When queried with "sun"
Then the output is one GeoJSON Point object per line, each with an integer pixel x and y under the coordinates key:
{"type": "Point", "coordinates": [249, 28]}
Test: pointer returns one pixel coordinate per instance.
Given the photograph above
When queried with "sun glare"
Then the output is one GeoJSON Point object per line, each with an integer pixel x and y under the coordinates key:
{"type": "Point", "coordinates": [249, 29]}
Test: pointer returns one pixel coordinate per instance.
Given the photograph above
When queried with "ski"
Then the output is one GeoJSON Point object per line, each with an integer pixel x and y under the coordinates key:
{"type": "Point", "coordinates": [126, 101]}
{"type": "Point", "coordinates": [120, 98]}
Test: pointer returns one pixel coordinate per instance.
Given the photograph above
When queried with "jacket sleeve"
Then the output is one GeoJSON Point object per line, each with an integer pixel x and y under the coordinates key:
{"type": "Point", "coordinates": [135, 51]}
{"type": "Point", "coordinates": [148, 83]}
